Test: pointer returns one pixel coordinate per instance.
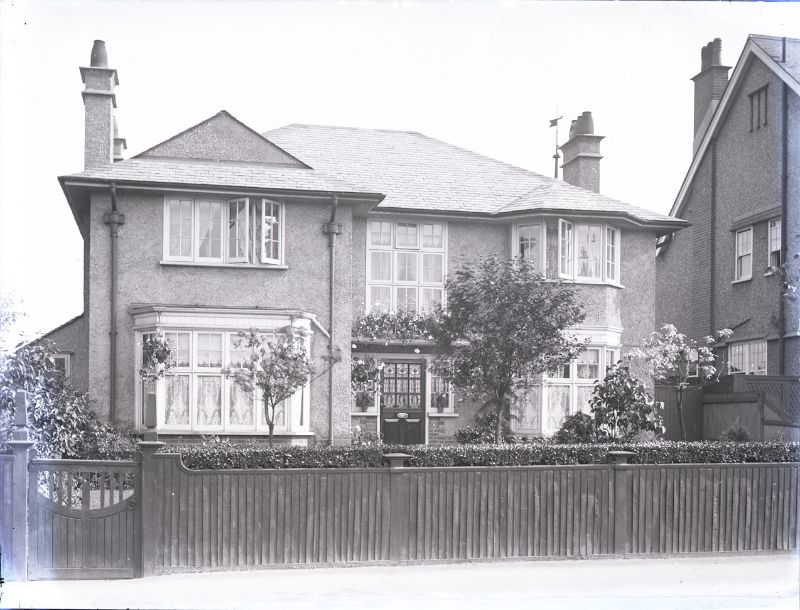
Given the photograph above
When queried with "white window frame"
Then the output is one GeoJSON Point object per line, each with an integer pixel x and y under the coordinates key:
{"type": "Point", "coordinates": [419, 250]}
{"type": "Point", "coordinates": [737, 276]}
{"type": "Point", "coordinates": [515, 237]}
{"type": "Point", "coordinates": [748, 349]}
{"type": "Point", "coordinates": [252, 248]}
{"type": "Point", "coordinates": [67, 358]}
{"type": "Point", "coordinates": [571, 273]}
{"type": "Point", "coordinates": [774, 242]}
{"type": "Point", "coordinates": [301, 399]}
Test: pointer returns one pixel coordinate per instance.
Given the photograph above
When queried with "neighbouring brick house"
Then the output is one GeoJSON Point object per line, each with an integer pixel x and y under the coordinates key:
{"type": "Point", "coordinates": [220, 229]}
{"type": "Point", "coordinates": [741, 196]}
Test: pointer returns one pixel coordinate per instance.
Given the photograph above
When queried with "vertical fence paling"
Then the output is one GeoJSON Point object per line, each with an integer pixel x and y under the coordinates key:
{"type": "Point", "coordinates": [6, 505]}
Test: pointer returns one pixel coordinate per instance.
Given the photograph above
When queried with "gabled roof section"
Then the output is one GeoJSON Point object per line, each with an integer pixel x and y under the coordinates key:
{"type": "Point", "coordinates": [782, 56]}
{"type": "Point", "coordinates": [222, 137]}
{"type": "Point", "coordinates": [419, 173]}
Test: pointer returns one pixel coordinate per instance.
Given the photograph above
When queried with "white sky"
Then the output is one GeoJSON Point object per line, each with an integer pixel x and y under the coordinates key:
{"type": "Point", "coordinates": [486, 76]}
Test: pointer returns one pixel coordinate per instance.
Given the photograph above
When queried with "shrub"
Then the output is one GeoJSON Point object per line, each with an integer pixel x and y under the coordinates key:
{"type": "Point", "coordinates": [621, 407]}
{"type": "Point", "coordinates": [482, 432]}
{"type": "Point", "coordinates": [226, 455]}
{"type": "Point", "coordinates": [735, 434]}
{"type": "Point", "coordinates": [577, 428]}
{"type": "Point", "coordinates": [60, 420]}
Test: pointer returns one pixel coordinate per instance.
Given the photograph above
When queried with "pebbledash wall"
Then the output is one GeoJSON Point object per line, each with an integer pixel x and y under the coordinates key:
{"type": "Point", "coordinates": [629, 306]}
{"type": "Point", "coordinates": [142, 279]}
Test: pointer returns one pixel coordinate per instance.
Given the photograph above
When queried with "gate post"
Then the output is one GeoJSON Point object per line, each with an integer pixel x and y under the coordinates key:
{"type": "Point", "coordinates": [149, 512]}
{"type": "Point", "coordinates": [623, 483]}
{"type": "Point", "coordinates": [398, 503]}
{"type": "Point", "coordinates": [18, 557]}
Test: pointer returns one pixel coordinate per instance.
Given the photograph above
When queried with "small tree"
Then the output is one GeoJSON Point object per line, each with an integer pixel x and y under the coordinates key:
{"type": "Point", "coordinates": [621, 407]}
{"type": "Point", "coordinates": [503, 328]}
{"type": "Point", "coordinates": [276, 369]}
{"type": "Point", "coordinates": [682, 363]}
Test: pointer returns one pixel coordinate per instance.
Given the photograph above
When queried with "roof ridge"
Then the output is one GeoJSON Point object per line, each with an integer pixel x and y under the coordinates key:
{"type": "Point", "coordinates": [343, 127]}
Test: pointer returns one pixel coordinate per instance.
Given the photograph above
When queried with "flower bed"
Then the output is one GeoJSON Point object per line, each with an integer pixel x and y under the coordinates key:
{"type": "Point", "coordinates": [226, 455]}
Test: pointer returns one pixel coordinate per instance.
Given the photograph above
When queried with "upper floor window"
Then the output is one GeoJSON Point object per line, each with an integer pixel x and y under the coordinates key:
{"type": "Point", "coordinates": [588, 252]}
{"type": "Point", "coordinates": [247, 230]}
{"type": "Point", "coordinates": [528, 242]}
{"type": "Point", "coordinates": [744, 255]}
{"type": "Point", "coordinates": [749, 357]}
{"type": "Point", "coordinates": [758, 108]}
{"type": "Point", "coordinates": [405, 265]}
{"type": "Point", "coordinates": [775, 242]}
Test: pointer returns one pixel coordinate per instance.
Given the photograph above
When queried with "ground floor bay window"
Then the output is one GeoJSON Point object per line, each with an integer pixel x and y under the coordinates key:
{"type": "Point", "coordinates": [196, 395]}
{"type": "Point", "coordinates": [544, 406]}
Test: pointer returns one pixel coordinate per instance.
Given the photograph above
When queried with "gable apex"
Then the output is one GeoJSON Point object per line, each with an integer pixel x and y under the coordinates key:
{"type": "Point", "coordinates": [222, 137]}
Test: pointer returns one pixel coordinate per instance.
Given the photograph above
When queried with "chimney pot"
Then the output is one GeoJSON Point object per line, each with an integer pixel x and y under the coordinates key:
{"type": "Point", "coordinates": [716, 52]}
{"type": "Point", "coordinates": [99, 58]}
{"type": "Point", "coordinates": [584, 124]}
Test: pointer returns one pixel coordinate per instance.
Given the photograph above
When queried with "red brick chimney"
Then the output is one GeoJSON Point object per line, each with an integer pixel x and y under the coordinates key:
{"type": "Point", "coordinates": [582, 154]}
{"type": "Point", "coordinates": [709, 85]}
{"type": "Point", "coordinates": [99, 102]}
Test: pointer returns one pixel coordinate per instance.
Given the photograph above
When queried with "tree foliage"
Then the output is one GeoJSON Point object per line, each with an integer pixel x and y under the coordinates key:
{"type": "Point", "coordinates": [60, 420]}
{"type": "Point", "coordinates": [681, 362]}
{"type": "Point", "coordinates": [276, 368]}
{"type": "Point", "coordinates": [504, 327]}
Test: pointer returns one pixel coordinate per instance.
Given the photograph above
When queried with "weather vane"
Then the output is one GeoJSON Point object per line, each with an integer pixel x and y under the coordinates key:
{"type": "Point", "coordinates": [556, 156]}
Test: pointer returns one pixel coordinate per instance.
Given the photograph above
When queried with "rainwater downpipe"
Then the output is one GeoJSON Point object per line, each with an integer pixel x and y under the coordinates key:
{"type": "Point", "coordinates": [113, 219]}
{"type": "Point", "coordinates": [782, 329]}
{"type": "Point", "coordinates": [332, 229]}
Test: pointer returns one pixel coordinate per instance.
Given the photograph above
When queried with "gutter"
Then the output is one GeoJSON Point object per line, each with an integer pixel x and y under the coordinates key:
{"type": "Point", "coordinates": [113, 219]}
{"type": "Point", "coordinates": [332, 229]}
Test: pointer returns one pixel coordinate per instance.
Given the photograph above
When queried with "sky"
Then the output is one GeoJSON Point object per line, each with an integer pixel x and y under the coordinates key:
{"type": "Point", "coordinates": [487, 76]}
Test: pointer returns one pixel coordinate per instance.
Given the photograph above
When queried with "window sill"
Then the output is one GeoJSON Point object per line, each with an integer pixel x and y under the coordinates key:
{"type": "Point", "coordinates": [742, 280]}
{"type": "Point", "coordinates": [569, 280]}
{"type": "Point", "coordinates": [223, 265]}
{"type": "Point", "coordinates": [443, 415]}
{"type": "Point", "coordinates": [263, 433]}
{"type": "Point", "coordinates": [364, 413]}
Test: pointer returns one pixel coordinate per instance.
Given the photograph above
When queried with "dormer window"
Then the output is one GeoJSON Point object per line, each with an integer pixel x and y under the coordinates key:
{"type": "Point", "coordinates": [241, 231]}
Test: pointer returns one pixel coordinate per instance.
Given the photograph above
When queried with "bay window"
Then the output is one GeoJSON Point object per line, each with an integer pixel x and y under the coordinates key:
{"type": "Point", "coordinates": [529, 243]}
{"type": "Point", "coordinates": [246, 230]}
{"type": "Point", "coordinates": [568, 389]}
{"type": "Point", "coordinates": [588, 252]}
{"type": "Point", "coordinates": [405, 265]}
{"type": "Point", "coordinates": [197, 396]}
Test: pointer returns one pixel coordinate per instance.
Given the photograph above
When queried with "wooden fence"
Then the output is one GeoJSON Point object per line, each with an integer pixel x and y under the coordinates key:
{"type": "Point", "coordinates": [239, 519]}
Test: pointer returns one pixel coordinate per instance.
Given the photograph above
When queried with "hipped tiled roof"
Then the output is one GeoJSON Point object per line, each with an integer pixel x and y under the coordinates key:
{"type": "Point", "coordinates": [417, 172]}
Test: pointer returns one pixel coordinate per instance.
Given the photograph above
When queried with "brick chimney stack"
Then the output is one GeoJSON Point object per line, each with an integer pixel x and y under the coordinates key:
{"type": "Point", "coordinates": [99, 102]}
{"type": "Point", "coordinates": [582, 154]}
{"type": "Point", "coordinates": [709, 85]}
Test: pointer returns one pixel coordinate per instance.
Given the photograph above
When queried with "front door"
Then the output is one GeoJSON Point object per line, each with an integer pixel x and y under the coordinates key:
{"type": "Point", "coordinates": [403, 402]}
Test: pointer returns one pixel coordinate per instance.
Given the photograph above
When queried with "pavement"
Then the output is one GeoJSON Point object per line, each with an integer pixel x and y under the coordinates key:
{"type": "Point", "coordinates": [714, 582]}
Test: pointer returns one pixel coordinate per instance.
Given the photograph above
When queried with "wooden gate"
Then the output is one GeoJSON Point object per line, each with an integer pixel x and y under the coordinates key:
{"type": "Point", "coordinates": [84, 519]}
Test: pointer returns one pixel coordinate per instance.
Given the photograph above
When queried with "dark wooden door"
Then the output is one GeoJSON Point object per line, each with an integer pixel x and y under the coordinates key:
{"type": "Point", "coordinates": [403, 402]}
{"type": "Point", "coordinates": [84, 519]}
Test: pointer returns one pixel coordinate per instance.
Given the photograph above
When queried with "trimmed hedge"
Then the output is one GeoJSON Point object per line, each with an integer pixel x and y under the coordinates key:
{"type": "Point", "coordinates": [225, 455]}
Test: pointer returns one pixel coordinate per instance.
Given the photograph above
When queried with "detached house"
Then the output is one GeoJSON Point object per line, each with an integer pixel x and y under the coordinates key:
{"type": "Point", "coordinates": [221, 229]}
{"type": "Point", "coordinates": [741, 195]}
